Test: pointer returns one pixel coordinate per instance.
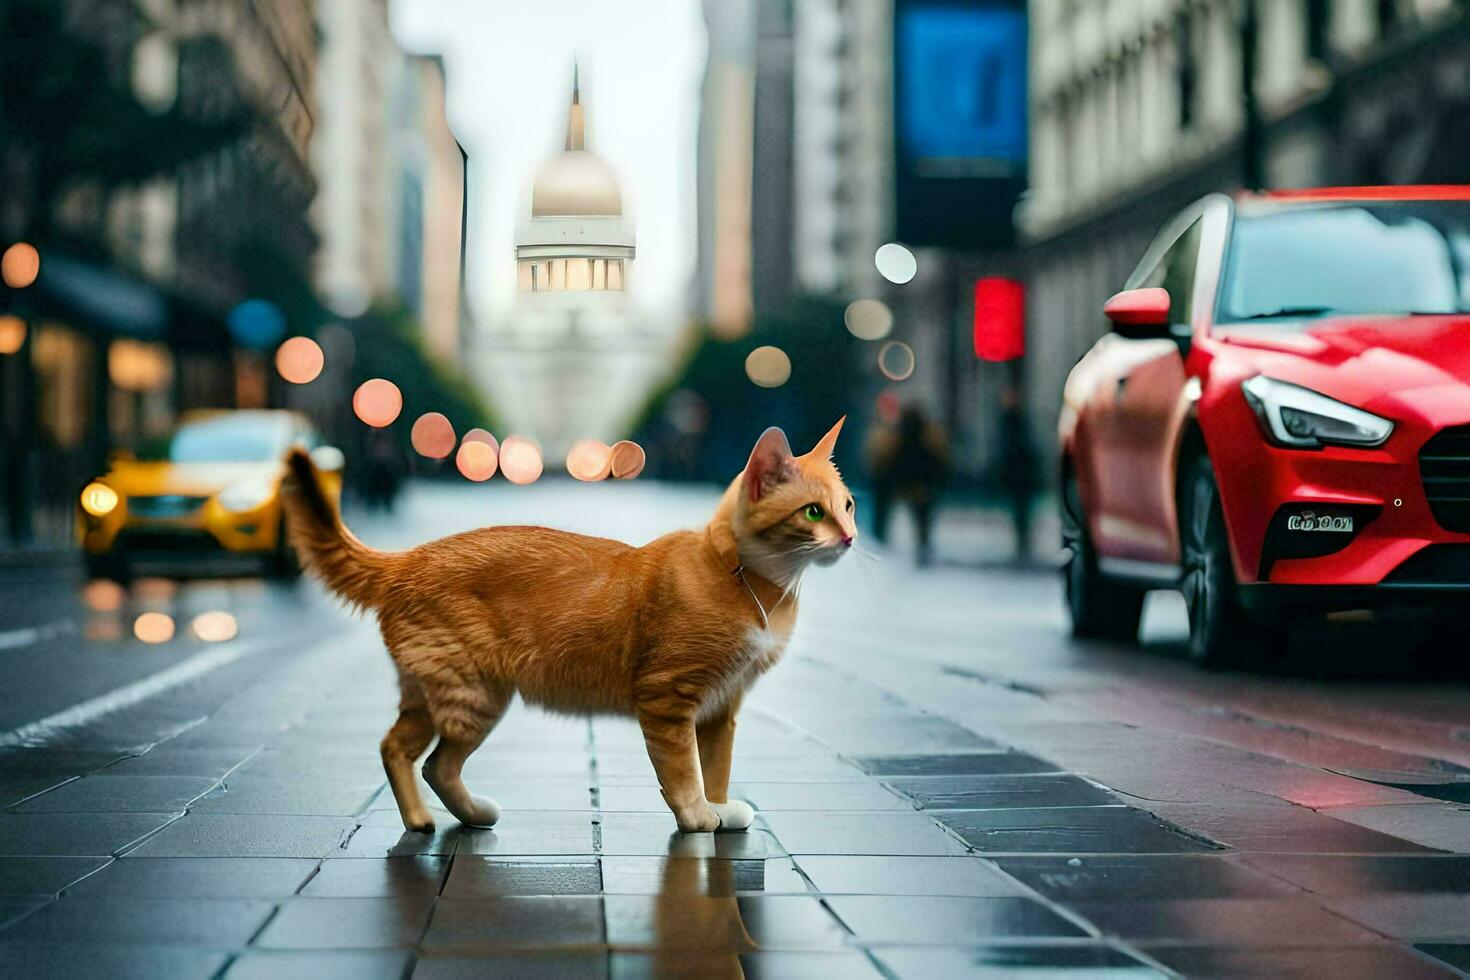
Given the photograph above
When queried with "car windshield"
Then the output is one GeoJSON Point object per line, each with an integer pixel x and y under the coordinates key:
{"type": "Point", "coordinates": [229, 439]}
{"type": "Point", "coordinates": [1362, 258]}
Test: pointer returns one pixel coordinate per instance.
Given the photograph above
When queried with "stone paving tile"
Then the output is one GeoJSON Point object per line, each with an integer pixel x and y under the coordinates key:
{"type": "Point", "coordinates": [417, 876]}
{"type": "Point", "coordinates": [219, 923]}
{"type": "Point", "coordinates": [15, 789]}
{"type": "Point", "coordinates": [770, 769]}
{"type": "Point", "coordinates": [253, 794]}
{"type": "Point", "coordinates": [533, 832]}
{"type": "Point", "coordinates": [1243, 921]}
{"type": "Point", "coordinates": [948, 920]}
{"type": "Point", "coordinates": [337, 964]}
{"type": "Point", "coordinates": [859, 875]}
{"type": "Point", "coordinates": [474, 876]}
{"type": "Point", "coordinates": [170, 760]}
{"type": "Point", "coordinates": [520, 922]}
{"type": "Point", "coordinates": [790, 965]}
{"type": "Point", "coordinates": [530, 794]}
{"type": "Point", "coordinates": [44, 875]}
{"type": "Point", "coordinates": [347, 923]}
{"type": "Point", "coordinates": [75, 833]}
{"type": "Point", "coordinates": [1367, 874]}
{"type": "Point", "coordinates": [1445, 826]}
{"type": "Point", "coordinates": [1068, 830]}
{"type": "Point", "coordinates": [246, 835]}
{"type": "Point", "coordinates": [197, 877]}
{"type": "Point", "coordinates": [1090, 960]}
{"type": "Point", "coordinates": [131, 961]}
{"type": "Point", "coordinates": [1157, 876]}
{"type": "Point", "coordinates": [18, 907]}
{"type": "Point", "coordinates": [391, 840]}
{"type": "Point", "coordinates": [710, 924]}
{"type": "Point", "coordinates": [866, 833]}
{"type": "Point", "coordinates": [102, 793]}
{"type": "Point", "coordinates": [967, 764]}
{"type": "Point", "coordinates": [1382, 962]}
{"type": "Point", "coordinates": [656, 834]}
{"type": "Point", "coordinates": [58, 762]}
{"type": "Point", "coordinates": [990, 792]}
{"type": "Point", "coordinates": [1456, 955]}
{"type": "Point", "coordinates": [647, 875]}
{"type": "Point", "coordinates": [1281, 829]}
{"type": "Point", "coordinates": [570, 964]}
{"type": "Point", "coordinates": [1420, 917]}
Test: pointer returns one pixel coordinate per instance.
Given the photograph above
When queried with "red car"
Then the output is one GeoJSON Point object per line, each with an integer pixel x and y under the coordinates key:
{"type": "Point", "coordinates": [1279, 422]}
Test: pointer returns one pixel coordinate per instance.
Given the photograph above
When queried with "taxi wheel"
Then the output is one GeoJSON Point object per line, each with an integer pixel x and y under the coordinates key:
{"type": "Point", "coordinates": [1099, 607]}
{"type": "Point", "coordinates": [285, 563]}
{"type": "Point", "coordinates": [1221, 634]}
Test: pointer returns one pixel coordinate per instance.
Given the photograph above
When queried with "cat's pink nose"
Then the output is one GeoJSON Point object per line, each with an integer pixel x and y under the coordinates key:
{"type": "Point", "coordinates": [847, 540]}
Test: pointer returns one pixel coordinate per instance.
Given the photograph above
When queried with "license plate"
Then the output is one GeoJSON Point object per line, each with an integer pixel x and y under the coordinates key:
{"type": "Point", "coordinates": [1328, 523]}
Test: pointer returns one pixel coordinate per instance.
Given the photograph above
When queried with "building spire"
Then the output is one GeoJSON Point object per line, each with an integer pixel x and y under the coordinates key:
{"type": "Point", "coordinates": [575, 139]}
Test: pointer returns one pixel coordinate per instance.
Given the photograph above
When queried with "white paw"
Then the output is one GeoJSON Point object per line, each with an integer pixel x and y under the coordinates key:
{"type": "Point", "coordinates": [734, 815]}
{"type": "Point", "coordinates": [484, 815]}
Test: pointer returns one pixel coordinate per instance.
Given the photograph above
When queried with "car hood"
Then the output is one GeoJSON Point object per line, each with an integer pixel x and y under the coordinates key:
{"type": "Point", "coordinates": [146, 479]}
{"type": "Point", "coordinates": [1417, 362]}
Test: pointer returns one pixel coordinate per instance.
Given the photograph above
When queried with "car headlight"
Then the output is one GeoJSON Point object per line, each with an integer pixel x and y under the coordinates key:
{"type": "Point", "coordinates": [1301, 418]}
{"type": "Point", "coordinates": [246, 496]}
{"type": "Point", "coordinates": [99, 500]}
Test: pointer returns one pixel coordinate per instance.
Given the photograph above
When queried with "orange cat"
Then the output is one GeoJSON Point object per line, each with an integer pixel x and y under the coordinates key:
{"type": "Point", "coordinates": [672, 633]}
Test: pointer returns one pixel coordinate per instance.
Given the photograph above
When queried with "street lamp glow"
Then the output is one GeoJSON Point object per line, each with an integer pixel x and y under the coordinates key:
{"type": "Point", "coordinates": [520, 460]}
{"type": "Point", "coordinates": [99, 500]}
{"type": "Point", "coordinates": [300, 360]}
{"type": "Point", "coordinates": [377, 402]}
{"type": "Point", "coordinates": [589, 460]}
{"type": "Point", "coordinates": [475, 460]}
{"type": "Point", "coordinates": [768, 367]}
{"type": "Point", "coordinates": [12, 333]}
{"type": "Point", "coordinates": [20, 265]}
{"type": "Point", "coordinates": [896, 360]}
{"type": "Point", "coordinates": [868, 319]}
{"type": "Point", "coordinates": [627, 460]}
{"type": "Point", "coordinates": [896, 263]}
{"type": "Point", "coordinates": [154, 627]}
{"type": "Point", "coordinates": [432, 436]}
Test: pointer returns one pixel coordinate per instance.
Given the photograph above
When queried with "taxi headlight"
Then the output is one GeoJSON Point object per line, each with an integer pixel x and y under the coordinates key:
{"type": "Point", "coordinates": [99, 500]}
{"type": "Point", "coordinates": [246, 496]}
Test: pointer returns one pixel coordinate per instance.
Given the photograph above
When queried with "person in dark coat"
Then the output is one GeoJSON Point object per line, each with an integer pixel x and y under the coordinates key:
{"type": "Point", "coordinates": [909, 463]}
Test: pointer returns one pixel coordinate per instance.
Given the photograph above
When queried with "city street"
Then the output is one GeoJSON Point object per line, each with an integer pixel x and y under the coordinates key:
{"type": "Point", "coordinates": [946, 786]}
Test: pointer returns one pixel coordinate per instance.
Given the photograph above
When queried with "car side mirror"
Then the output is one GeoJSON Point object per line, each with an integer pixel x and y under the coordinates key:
{"type": "Point", "coordinates": [1140, 314]}
{"type": "Point", "coordinates": [328, 459]}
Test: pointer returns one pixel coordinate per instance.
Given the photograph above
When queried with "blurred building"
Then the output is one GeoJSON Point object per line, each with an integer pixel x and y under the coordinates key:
{"type": "Point", "coordinates": [155, 153]}
{"type": "Point", "coordinates": [572, 358]}
{"type": "Point", "coordinates": [1139, 108]}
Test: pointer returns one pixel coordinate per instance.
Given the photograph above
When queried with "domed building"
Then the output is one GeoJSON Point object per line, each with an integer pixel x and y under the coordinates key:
{"type": "Point", "coordinates": [571, 360]}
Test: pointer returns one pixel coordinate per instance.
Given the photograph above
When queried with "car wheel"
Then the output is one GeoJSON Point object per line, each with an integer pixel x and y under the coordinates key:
{"type": "Point", "coordinates": [285, 563]}
{"type": "Point", "coordinates": [1220, 632]}
{"type": "Point", "coordinates": [1100, 609]}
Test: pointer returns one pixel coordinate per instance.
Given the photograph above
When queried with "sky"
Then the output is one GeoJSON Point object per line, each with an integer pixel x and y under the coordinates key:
{"type": "Point", "coordinates": [509, 66]}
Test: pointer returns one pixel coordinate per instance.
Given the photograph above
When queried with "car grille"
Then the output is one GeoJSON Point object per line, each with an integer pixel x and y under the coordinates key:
{"type": "Point", "coordinates": [1444, 466]}
{"type": "Point", "coordinates": [164, 505]}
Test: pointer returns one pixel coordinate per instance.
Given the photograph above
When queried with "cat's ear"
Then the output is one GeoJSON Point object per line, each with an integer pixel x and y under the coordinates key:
{"type": "Point", "coordinates": [770, 463]}
{"type": "Point", "coordinates": [828, 443]}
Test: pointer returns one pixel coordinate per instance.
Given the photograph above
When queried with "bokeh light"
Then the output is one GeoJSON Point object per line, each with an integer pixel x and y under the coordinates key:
{"type": "Point", "coordinates": [12, 333]}
{"type": "Point", "coordinates": [896, 263]}
{"type": "Point", "coordinates": [155, 589]}
{"type": "Point", "coordinates": [20, 265]}
{"type": "Point", "coordinates": [475, 460]}
{"type": "Point", "coordinates": [154, 627]}
{"type": "Point", "coordinates": [627, 460]}
{"type": "Point", "coordinates": [215, 626]}
{"type": "Point", "coordinates": [300, 360]}
{"type": "Point", "coordinates": [868, 319]}
{"type": "Point", "coordinates": [896, 360]}
{"type": "Point", "coordinates": [99, 500]}
{"type": "Point", "coordinates": [433, 436]}
{"type": "Point", "coordinates": [589, 460]}
{"type": "Point", "coordinates": [520, 460]}
{"type": "Point", "coordinates": [103, 595]}
{"type": "Point", "coordinates": [377, 402]}
{"type": "Point", "coordinates": [480, 435]}
{"type": "Point", "coordinates": [768, 367]}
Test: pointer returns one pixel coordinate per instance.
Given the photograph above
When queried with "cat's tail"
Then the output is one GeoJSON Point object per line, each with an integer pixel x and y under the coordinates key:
{"type": "Point", "coordinates": [359, 574]}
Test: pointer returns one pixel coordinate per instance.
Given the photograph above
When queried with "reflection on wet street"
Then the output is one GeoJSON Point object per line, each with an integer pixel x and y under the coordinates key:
{"type": "Point", "coordinates": [192, 787]}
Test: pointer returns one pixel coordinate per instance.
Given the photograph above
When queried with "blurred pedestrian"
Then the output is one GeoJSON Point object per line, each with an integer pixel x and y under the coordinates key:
{"type": "Point", "coordinates": [1017, 474]}
{"type": "Point", "coordinates": [909, 463]}
{"type": "Point", "coordinates": [382, 471]}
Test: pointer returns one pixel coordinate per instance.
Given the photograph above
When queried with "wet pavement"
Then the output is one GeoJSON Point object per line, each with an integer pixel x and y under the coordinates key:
{"type": "Point", "coordinates": [946, 786]}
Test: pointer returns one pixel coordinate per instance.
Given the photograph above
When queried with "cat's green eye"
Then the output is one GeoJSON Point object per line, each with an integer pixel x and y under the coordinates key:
{"type": "Point", "coordinates": [814, 513]}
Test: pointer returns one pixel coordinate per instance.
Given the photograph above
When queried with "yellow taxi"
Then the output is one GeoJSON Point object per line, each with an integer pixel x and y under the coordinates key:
{"type": "Point", "coordinates": [209, 497]}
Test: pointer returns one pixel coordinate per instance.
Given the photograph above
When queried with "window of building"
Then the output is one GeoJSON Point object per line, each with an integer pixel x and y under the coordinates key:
{"type": "Point", "coordinates": [1186, 68]}
{"type": "Point", "coordinates": [1319, 19]}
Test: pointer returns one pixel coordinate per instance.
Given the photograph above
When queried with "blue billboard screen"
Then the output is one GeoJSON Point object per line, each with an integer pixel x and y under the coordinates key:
{"type": "Point", "coordinates": [960, 120]}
